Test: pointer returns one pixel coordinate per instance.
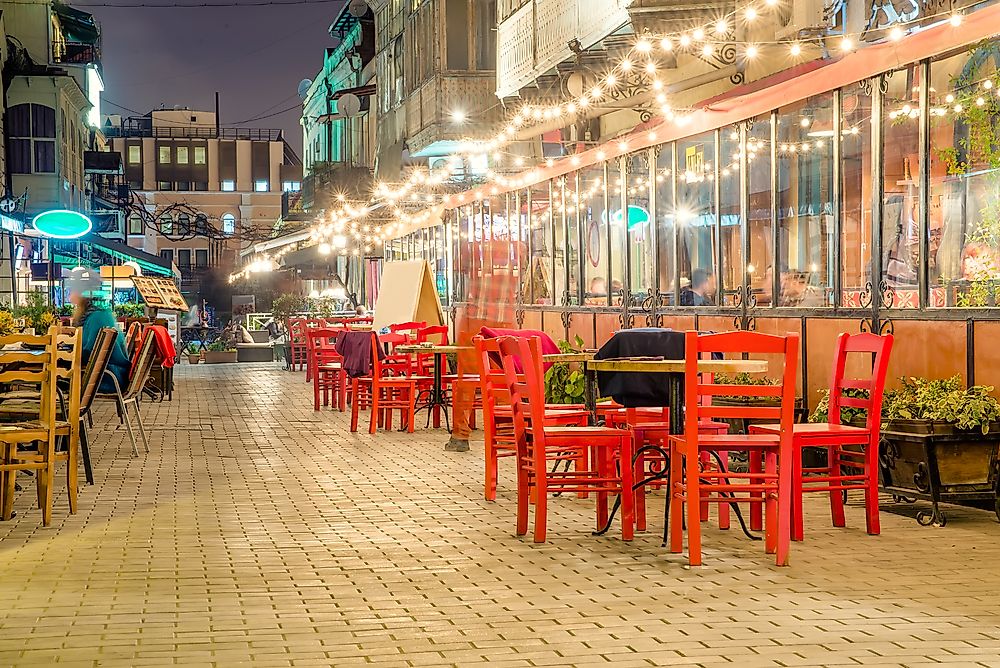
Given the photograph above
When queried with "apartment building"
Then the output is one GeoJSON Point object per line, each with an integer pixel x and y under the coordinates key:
{"type": "Point", "coordinates": [201, 191]}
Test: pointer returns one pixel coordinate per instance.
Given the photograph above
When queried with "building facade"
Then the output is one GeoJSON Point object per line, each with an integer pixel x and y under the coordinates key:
{"type": "Point", "coordinates": [841, 177]}
{"type": "Point", "coordinates": [199, 192]}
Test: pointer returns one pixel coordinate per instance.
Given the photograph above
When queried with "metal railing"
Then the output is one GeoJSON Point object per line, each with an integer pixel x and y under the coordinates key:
{"type": "Point", "coordinates": [251, 134]}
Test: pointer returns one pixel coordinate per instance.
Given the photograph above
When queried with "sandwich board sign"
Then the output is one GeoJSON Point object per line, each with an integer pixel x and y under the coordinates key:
{"type": "Point", "coordinates": [407, 294]}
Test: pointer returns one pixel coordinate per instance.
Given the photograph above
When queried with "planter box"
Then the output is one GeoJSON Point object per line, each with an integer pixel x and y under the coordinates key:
{"type": "Point", "coordinates": [934, 461]}
{"type": "Point", "coordinates": [225, 357]}
{"type": "Point", "coordinates": [194, 359]}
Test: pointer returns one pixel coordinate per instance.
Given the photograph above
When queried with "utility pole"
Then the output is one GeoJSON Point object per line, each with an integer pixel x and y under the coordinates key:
{"type": "Point", "coordinates": [218, 122]}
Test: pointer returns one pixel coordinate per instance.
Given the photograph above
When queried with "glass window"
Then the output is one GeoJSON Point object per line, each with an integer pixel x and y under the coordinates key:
{"type": "Point", "coordinates": [182, 185]}
{"type": "Point", "coordinates": [805, 202]}
{"type": "Point", "coordinates": [201, 257]}
{"type": "Point", "coordinates": [134, 155]}
{"type": "Point", "coordinates": [182, 155]}
{"type": "Point", "coordinates": [760, 264]}
{"type": "Point", "coordinates": [964, 223]}
{"type": "Point", "coordinates": [20, 155]}
{"type": "Point", "coordinates": [164, 155]}
{"type": "Point", "coordinates": [567, 261]}
{"type": "Point", "coordinates": [228, 223]}
{"type": "Point", "coordinates": [291, 186]}
{"type": "Point", "coordinates": [45, 156]}
{"type": "Point", "coordinates": [637, 221]}
{"type": "Point", "coordinates": [184, 258]}
{"type": "Point", "coordinates": [228, 186]}
{"type": "Point", "coordinates": [696, 220]}
{"type": "Point", "coordinates": [902, 192]}
{"type": "Point", "coordinates": [616, 230]}
{"type": "Point", "coordinates": [199, 155]}
{"type": "Point", "coordinates": [135, 224]}
{"type": "Point", "coordinates": [856, 194]}
{"type": "Point", "coordinates": [166, 224]}
{"type": "Point", "coordinates": [183, 224]}
{"type": "Point", "coordinates": [167, 254]}
{"type": "Point", "coordinates": [730, 214]}
{"type": "Point", "coordinates": [261, 186]}
{"type": "Point", "coordinates": [594, 230]}
{"type": "Point", "coordinates": [539, 214]}
{"type": "Point", "coordinates": [165, 185]}
{"type": "Point", "coordinates": [571, 205]}
{"type": "Point", "coordinates": [665, 217]}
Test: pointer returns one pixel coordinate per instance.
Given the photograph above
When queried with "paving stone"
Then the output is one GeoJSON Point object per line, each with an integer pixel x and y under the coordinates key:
{"type": "Point", "coordinates": [258, 532]}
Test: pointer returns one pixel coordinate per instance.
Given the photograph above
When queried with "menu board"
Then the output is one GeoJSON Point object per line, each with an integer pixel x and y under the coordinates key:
{"type": "Point", "coordinates": [159, 293]}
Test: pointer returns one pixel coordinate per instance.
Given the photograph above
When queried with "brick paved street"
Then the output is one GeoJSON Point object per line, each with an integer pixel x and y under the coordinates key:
{"type": "Point", "coordinates": [258, 532]}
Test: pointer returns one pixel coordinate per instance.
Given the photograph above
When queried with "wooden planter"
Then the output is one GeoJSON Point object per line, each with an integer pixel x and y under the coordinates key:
{"type": "Point", "coordinates": [224, 357]}
{"type": "Point", "coordinates": [194, 359]}
{"type": "Point", "coordinates": [934, 461]}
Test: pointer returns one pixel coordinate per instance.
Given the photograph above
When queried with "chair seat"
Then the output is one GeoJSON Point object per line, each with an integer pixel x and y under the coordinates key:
{"type": "Point", "coordinates": [731, 441]}
{"type": "Point", "coordinates": [19, 394]}
{"type": "Point", "coordinates": [821, 432]}
{"type": "Point", "coordinates": [553, 434]}
{"type": "Point", "coordinates": [333, 366]}
{"type": "Point", "coordinates": [28, 430]}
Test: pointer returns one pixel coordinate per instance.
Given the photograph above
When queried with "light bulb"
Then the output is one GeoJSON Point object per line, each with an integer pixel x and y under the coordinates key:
{"type": "Point", "coordinates": [685, 41]}
{"type": "Point", "coordinates": [795, 50]}
{"type": "Point", "coordinates": [896, 34]}
{"type": "Point", "coordinates": [643, 46]}
{"type": "Point", "coordinates": [666, 44]}
{"type": "Point", "coordinates": [752, 51]}
{"type": "Point", "coordinates": [750, 14]}
{"type": "Point", "coordinates": [955, 20]}
{"type": "Point", "coordinates": [698, 34]}
{"type": "Point", "coordinates": [706, 50]}
{"type": "Point", "coordinates": [846, 44]}
{"type": "Point", "coordinates": [721, 27]}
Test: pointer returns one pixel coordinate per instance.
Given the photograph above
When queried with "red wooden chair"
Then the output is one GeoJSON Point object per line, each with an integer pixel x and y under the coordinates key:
{"type": "Point", "coordinates": [498, 419]}
{"type": "Point", "coordinates": [848, 447]}
{"type": "Point", "coordinates": [384, 393]}
{"type": "Point", "coordinates": [407, 329]}
{"type": "Point", "coordinates": [539, 446]}
{"type": "Point", "coordinates": [297, 357]}
{"type": "Point", "coordinates": [328, 375]}
{"type": "Point", "coordinates": [693, 482]}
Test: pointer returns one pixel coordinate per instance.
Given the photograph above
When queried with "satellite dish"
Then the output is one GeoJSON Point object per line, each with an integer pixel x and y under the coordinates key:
{"type": "Point", "coordinates": [304, 87]}
{"type": "Point", "coordinates": [349, 104]}
{"type": "Point", "coordinates": [357, 8]}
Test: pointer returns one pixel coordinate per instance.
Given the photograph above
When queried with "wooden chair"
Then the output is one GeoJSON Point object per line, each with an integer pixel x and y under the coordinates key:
{"type": "Point", "coordinates": [383, 393]}
{"type": "Point", "coordinates": [296, 328]}
{"type": "Point", "coordinates": [408, 329]}
{"type": "Point", "coordinates": [848, 447]}
{"type": "Point", "coordinates": [328, 375]}
{"type": "Point", "coordinates": [141, 368]}
{"type": "Point", "coordinates": [37, 437]}
{"type": "Point", "coordinates": [498, 419]}
{"type": "Point", "coordinates": [606, 453]}
{"type": "Point", "coordinates": [26, 402]}
{"type": "Point", "coordinates": [694, 483]}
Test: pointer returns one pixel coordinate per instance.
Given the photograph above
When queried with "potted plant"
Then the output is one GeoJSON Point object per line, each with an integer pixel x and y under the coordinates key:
{"type": "Point", "coordinates": [563, 384]}
{"type": "Point", "coordinates": [193, 352]}
{"type": "Point", "coordinates": [7, 322]}
{"type": "Point", "coordinates": [940, 443]}
{"type": "Point", "coordinates": [282, 309]}
{"type": "Point", "coordinates": [220, 352]}
{"type": "Point", "coordinates": [36, 312]}
{"type": "Point", "coordinates": [129, 311]}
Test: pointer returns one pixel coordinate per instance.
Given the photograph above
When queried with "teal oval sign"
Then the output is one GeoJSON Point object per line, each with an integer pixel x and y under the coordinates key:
{"type": "Point", "coordinates": [637, 215]}
{"type": "Point", "coordinates": [62, 224]}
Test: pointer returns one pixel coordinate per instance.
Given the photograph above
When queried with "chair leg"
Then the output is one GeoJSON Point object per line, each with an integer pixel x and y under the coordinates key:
{"type": "Point", "coordinates": [142, 429]}
{"type": "Point", "coordinates": [72, 475]}
{"type": "Point", "coordinates": [46, 481]}
{"type": "Point", "coordinates": [523, 497]}
{"type": "Point", "coordinates": [836, 495]}
{"type": "Point", "coordinates": [491, 466]}
{"type": "Point", "coordinates": [871, 492]}
{"type": "Point", "coordinates": [10, 482]}
{"type": "Point", "coordinates": [756, 507]}
{"type": "Point", "coordinates": [88, 469]}
{"type": "Point", "coordinates": [131, 434]}
{"type": "Point", "coordinates": [783, 546]}
{"type": "Point", "coordinates": [770, 507]}
{"type": "Point", "coordinates": [355, 406]}
{"type": "Point", "coordinates": [541, 510]}
{"type": "Point", "coordinates": [724, 509]}
{"type": "Point", "coordinates": [796, 498]}
{"type": "Point", "coordinates": [376, 410]}
{"type": "Point", "coordinates": [639, 471]}
{"type": "Point", "coordinates": [675, 503]}
{"type": "Point", "coordinates": [627, 495]}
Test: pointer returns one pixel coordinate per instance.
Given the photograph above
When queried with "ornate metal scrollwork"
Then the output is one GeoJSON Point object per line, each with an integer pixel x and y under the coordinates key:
{"type": "Point", "coordinates": [567, 319]}
{"type": "Point", "coordinates": [880, 326]}
{"type": "Point", "coordinates": [519, 317]}
{"type": "Point", "coordinates": [626, 320]}
{"type": "Point", "coordinates": [750, 324]}
{"type": "Point", "coordinates": [657, 320]}
{"type": "Point", "coordinates": [883, 82]}
{"type": "Point", "coordinates": [737, 322]}
{"type": "Point", "coordinates": [888, 454]}
{"type": "Point", "coordinates": [865, 298]}
{"type": "Point", "coordinates": [921, 479]}
{"type": "Point", "coordinates": [645, 115]}
{"type": "Point", "coordinates": [867, 85]}
{"type": "Point", "coordinates": [887, 295]}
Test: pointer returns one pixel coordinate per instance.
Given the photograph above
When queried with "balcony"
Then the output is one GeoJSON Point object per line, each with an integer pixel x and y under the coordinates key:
{"type": "Point", "coordinates": [76, 53]}
{"type": "Point", "coordinates": [428, 110]}
{"type": "Point", "coordinates": [536, 37]}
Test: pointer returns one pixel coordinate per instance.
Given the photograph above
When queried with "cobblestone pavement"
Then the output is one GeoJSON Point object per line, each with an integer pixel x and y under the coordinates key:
{"type": "Point", "coordinates": [258, 532]}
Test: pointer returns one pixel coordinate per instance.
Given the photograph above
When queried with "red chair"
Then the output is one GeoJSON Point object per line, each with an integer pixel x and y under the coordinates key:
{"type": "Point", "coordinates": [383, 393]}
{"type": "Point", "coordinates": [311, 325]}
{"type": "Point", "coordinates": [498, 419]}
{"type": "Point", "coordinates": [602, 455]}
{"type": "Point", "coordinates": [328, 375]}
{"type": "Point", "coordinates": [297, 357]}
{"type": "Point", "coordinates": [848, 447]}
{"type": "Point", "coordinates": [407, 329]}
{"type": "Point", "coordinates": [694, 483]}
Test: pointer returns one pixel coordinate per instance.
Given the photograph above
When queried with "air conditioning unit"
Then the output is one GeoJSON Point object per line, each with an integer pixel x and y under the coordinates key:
{"type": "Point", "coordinates": [804, 17]}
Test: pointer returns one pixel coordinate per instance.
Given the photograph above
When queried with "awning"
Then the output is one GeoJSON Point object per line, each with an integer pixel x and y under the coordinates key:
{"type": "Point", "coordinates": [116, 249]}
{"type": "Point", "coordinates": [102, 162]}
{"type": "Point", "coordinates": [78, 26]}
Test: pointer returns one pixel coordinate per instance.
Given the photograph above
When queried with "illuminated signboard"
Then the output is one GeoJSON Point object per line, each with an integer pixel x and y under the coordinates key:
{"type": "Point", "coordinates": [62, 224]}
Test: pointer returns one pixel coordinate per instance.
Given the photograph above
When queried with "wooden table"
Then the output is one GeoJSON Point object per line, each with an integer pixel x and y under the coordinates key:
{"type": "Point", "coordinates": [437, 397]}
{"type": "Point", "coordinates": [569, 357]}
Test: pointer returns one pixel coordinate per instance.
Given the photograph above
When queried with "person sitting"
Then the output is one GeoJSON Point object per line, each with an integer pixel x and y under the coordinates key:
{"type": "Point", "coordinates": [92, 314]}
{"type": "Point", "coordinates": [702, 290]}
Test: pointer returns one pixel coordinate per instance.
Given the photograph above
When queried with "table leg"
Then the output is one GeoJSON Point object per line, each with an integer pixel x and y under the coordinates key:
{"type": "Point", "coordinates": [590, 393]}
{"type": "Point", "coordinates": [438, 398]}
{"type": "Point", "coordinates": [675, 391]}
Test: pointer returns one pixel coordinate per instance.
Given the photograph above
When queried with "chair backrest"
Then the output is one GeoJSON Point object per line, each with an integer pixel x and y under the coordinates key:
{"type": "Point", "coordinates": [492, 381]}
{"type": "Point", "coordinates": [527, 390]}
{"type": "Point", "coordinates": [408, 329]}
{"type": "Point", "coordinates": [398, 364]}
{"type": "Point", "coordinates": [142, 367]}
{"type": "Point", "coordinates": [35, 367]}
{"type": "Point", "coordinates": [69, 362]}
{"type": "Point", "coordinates": [872, 387]}
{"type": "Point", "coordinates": [132, 335]}
{"type": "Point", "coordinates": [296, 330]}
{"type": "Point", "coordinates": [100, 357]}
{"type": "Point", "coordinates": [735, 345]}
{"type": "Point", "coordinates": [437, 334]}
{"type": "Point", "coordinates": [323, 342]}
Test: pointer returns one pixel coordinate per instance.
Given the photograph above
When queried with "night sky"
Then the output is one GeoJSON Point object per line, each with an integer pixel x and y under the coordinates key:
{"type": "Point", "coordinates": [254, 56]}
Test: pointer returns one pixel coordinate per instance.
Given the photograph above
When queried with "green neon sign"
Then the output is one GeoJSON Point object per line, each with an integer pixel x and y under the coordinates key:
{"type": "Point", "coordinates": [62, 224]}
